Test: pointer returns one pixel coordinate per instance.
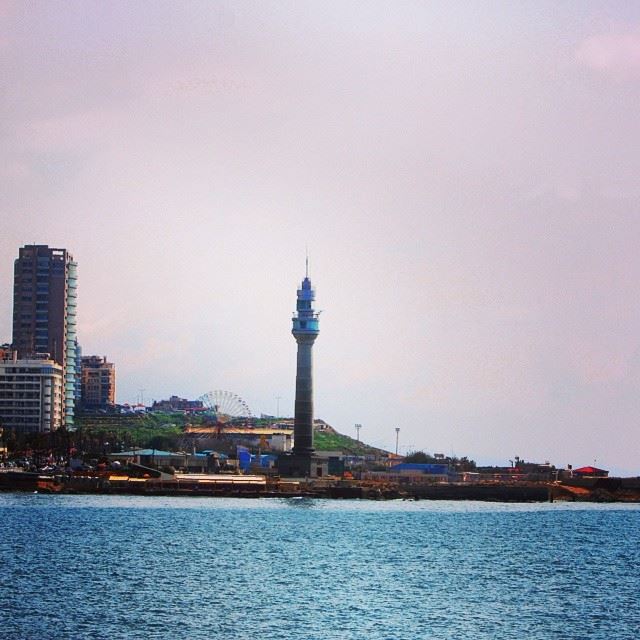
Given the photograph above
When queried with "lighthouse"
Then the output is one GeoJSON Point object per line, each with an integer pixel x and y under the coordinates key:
{"type": "Point", "coordinates": [305, 329]}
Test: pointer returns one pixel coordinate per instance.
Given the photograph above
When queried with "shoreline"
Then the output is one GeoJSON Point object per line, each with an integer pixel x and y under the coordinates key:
{"type": "Point", "coordinates": [591, 490]}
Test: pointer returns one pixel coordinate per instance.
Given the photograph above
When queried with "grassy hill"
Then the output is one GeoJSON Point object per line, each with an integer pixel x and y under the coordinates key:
{"type": "Point", "coordinates": [328, 439]}
{"type": "Point", "coordinates": [130, 430]}
{"type": "Point", "coordinates": [139, 430]}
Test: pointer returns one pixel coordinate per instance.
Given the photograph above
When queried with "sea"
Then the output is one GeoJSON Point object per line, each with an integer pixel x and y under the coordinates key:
{"type": "Point", "coordinates": [116, 567]}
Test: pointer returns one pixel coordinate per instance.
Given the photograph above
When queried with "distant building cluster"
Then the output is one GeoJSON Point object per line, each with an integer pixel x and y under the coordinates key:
{"type": "Point", "coordinates": [43, 376]}
{"type": "Point", "coordinates": [174, 403]}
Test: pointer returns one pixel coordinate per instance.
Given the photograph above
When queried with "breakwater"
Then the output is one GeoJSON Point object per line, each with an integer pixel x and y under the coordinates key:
{"type": "Point", "coordinates": [252, 486]}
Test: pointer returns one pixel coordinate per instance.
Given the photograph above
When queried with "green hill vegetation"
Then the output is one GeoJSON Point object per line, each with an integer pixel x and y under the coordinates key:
{"type": "Point", "coordinates": [330, 440]}
{"type": "Point", "coordinates": [164, 430]}
{"type": "Point", "coordinates": [159, 430]}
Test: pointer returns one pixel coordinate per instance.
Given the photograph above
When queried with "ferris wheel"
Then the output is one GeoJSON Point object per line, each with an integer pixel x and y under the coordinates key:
{"type": "Point", "coordinates": [225, 405]}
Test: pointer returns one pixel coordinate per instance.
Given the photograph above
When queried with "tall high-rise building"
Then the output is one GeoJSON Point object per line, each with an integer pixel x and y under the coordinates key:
{"type": "Point", "coordinates": [44, 312]}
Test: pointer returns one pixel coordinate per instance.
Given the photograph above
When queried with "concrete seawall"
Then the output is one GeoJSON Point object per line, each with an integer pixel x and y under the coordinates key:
{"type": "Point", "coordinates": [614, 490]}
{"type": "Point", "coordinates": [484, 492]}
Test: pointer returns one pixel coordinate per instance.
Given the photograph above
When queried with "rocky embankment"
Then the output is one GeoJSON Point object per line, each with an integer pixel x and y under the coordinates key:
{"type": "Point", "coordinates": [597, 490]}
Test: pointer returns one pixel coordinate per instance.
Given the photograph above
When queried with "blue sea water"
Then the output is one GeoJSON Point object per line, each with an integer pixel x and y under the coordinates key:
{"type": "Point", "coordinates": [150, 567]}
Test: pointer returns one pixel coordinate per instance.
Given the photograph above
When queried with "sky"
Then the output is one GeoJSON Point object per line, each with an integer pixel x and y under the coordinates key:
{"type": "Point", "coordinates": [464, 175]}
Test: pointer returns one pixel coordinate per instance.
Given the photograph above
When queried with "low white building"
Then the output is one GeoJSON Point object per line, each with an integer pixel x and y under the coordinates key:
{"type": "Point", "coordinates": [281, 442]}
{"type": "Point", "coordinates": [31, 396]}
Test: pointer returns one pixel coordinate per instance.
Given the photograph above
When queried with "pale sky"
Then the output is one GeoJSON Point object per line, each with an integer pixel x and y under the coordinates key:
{"type": "Point", "coordinates": [465, 175]}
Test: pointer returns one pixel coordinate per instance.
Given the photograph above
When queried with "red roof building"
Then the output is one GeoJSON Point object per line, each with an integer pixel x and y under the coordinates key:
{"type": "Point", "coordinates": [591, 471]}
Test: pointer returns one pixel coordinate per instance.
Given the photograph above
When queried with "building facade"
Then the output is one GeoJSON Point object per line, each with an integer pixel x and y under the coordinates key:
{"type": "Point", "coordinates": [98, 382]}
{"type": "Point", "coordinates": [78, 379]}
{"type": "Point", "coordinates": [44, 312]}
{"type": "Point", "coordinates": [174, 403]}
{"type": "Point", "coordinates": [31, 395]}
{"type": "Point", "coordinates": [6, 351]}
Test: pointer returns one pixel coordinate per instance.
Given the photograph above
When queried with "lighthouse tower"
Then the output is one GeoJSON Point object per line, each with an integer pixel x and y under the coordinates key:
{"type": "Point", "coordinates": [302, 462]}
{"type": "Point", "coordinates": [305, 330]}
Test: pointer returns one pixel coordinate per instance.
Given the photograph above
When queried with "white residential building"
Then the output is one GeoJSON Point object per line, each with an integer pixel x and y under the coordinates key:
{"type": "Point", "coordinates": [31, 395]}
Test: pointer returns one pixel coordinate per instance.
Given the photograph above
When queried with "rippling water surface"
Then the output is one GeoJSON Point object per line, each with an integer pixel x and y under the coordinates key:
{"type": "Point", "coordinates": [123, 567]}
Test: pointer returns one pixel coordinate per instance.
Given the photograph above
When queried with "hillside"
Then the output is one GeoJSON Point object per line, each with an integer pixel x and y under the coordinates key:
{"type": "Point", "coordinates": [139, 430]}
{"type": "Point", "coordinates": [326, 438]}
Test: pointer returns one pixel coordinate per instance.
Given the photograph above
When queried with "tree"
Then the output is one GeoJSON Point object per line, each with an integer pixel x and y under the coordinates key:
{"type": "Point", "coordinates": [420, 457]}
{"type": "Point", "coordinates": [163, 442]}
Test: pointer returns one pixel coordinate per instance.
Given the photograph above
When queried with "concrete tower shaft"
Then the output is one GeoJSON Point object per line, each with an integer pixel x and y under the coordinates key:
{"type": "Point", "coordinates": [305, 330]}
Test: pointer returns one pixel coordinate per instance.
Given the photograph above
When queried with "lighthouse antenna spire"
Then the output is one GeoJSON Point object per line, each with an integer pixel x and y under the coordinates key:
{"type": "Point", "coordinates": [306, 262]}
{"type": "Point", "coordinates": [305, 330]}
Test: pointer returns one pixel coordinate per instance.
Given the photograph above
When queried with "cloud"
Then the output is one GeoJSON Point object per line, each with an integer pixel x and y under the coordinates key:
{"type": "Point", "coordinates": [616, 53]}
